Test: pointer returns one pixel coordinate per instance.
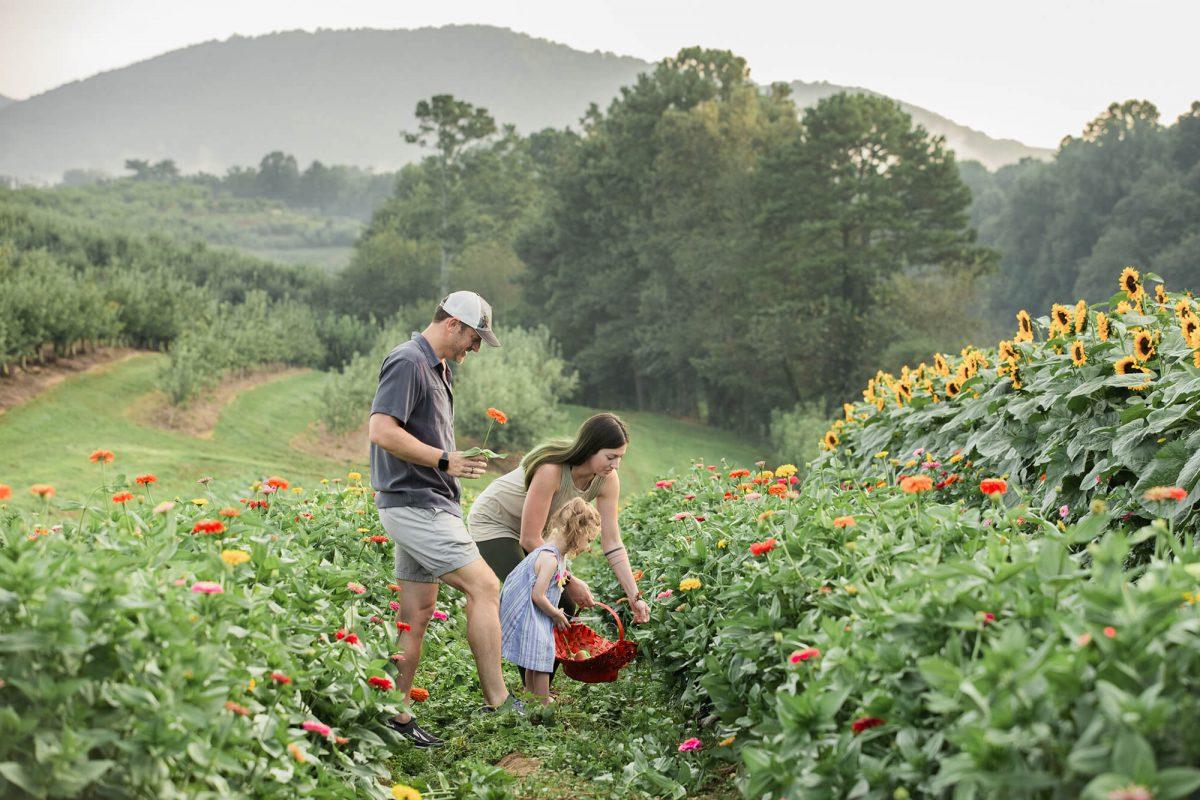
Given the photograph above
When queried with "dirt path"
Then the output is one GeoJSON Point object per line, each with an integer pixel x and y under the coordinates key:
{"type": "Point", "coordinates": [200, 417]}
{"type": "Point", "coordinates": [24, 385]}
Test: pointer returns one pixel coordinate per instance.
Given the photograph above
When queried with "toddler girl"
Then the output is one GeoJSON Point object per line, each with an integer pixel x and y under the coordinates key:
{"type": "Point", "coordinates": [529, 610]}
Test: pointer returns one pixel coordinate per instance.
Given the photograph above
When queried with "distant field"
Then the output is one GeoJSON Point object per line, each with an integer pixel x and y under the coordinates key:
{"type": "Point", "coordinates": [48, 439]}
{"type": "Point", "coordinates": [331, 259]}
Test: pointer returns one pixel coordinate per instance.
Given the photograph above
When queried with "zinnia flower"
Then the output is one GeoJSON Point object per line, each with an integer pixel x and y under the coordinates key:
{"type": "Point", "coordinates": [357, 588]}
{"type": "Point", "coordinates": [354, 476]}
{"type": "Point", "coordinates": [101, 456]}
{"type": "Point", "coordinates": [912, 484]}
{"type": "Point", "coordinates": [664, 484]}
{"type": "Point", "coordinates": [381, 683]}
{"type": "Point", "coordinates": [665, 595]}
{"type": "Point", "coordinates": [402, 792]}
{"type": "Point", "coordinates": [688, 584]}
{"type": "Point", "coordinates": [441, 616]}
{"type": "Point", "coordinates": [986, 616]}
{"type": "Point", "coordinates": [43, 490]}
{"type": "Point", "coordinates": [805, 655]}
{"type": "Point", "coordinates": [240, 710]}
{"type": "Point", "coordinates": [164, 507]}
{"type": "Point", "coordinates": [316, 727]}
{"type": "Point", "coordinates": [229, 513]}
{"type": "Point", "coordinates": [418, 695]}
{"type": "Point", "coordinates": [234, 557]}
{"type": "Point", "coordinates": [681, 515]}
{"type": "Point", "coordinates": [209, 526]}
{"type": "Point", "coordinates": [740, 473]}
{"type": "Point", "coordinates": [207, 587]}
{"type": "Point", "coordinates": [498, 415]}
{"type": "Point", "coordinates": [993, 486]}
{"type": "Point", "coordinates": [276, 482]}
{"type": "Point", "coordinates": [296, 752]}
{"type": "Point", "coordinates": [146, 480]}
{"type": "Point", "coordinates": [1131, 792]}
{"type": "Point", "coordinates": [5, 491]}
{"type": "Point", "coordinates": [1158, 493]}
{"type": "Point", "coordinates": [1110, 632]}
{"type": "Point", "coordinates": [689, 744]}
{"type": "Point", "coordinates": [280, 678]}
{"type": "Point", "coordinates": [865, 723]}
{"type": "Point", "coordinates": [402, 626]}
{"type": "Point", "coordinates": [759, 548]}
{"type": "Point", "coordinates": [122, 497]}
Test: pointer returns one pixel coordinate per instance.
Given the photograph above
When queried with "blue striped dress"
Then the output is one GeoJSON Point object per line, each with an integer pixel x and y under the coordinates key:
{"type": "Point", "coordinates": [526, 633]}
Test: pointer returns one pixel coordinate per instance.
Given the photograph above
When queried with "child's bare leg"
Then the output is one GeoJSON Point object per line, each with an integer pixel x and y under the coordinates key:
{"type": "Point", "coordinates": [538, 683]}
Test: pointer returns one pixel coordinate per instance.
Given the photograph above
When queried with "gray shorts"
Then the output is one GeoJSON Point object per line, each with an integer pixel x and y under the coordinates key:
{"type": "Point", "coordinates": [429, 542]}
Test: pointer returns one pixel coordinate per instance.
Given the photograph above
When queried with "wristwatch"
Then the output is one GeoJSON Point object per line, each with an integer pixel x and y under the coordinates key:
{"type": "Point", "coordinates": [444, 462]}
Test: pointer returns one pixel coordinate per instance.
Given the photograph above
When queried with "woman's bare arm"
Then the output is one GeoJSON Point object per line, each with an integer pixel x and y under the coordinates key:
{"type": "Point", "coordinates": [536, 510]}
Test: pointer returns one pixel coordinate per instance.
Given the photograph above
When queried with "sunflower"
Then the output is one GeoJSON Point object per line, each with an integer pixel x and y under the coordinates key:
{"type": "Point", "coordinates": [1126, 365]}
{"type": "Point", "coordinates": [1061, 314]}
{"type": "Point", "coordinates": [1024, 327]}
{"type": "Point", "coordinates": [1131, 282]}
{"type": "Point", "coordinates": [1102, 326]}
{"type": "Point", "coordinates": [1190, 326]}
{"type": "Point", "coordinates": [1016, 378]}
{"type": "Point", "coordinates": [831, 439]}
{"type": "Point", "coordinates": [1182, 309]}
{"type": "Point", "coordinates": [940, 365]}
{"type": "Point", "coordinates": [1080, 316]}
{"type": "Point", "coordinates": [848, 410]}
{"type": "Point", "coordinates": [1143, 345]}
{"type": "Point", "coordinates": [1078, 356]}
{"type": "Point", "coordinates": [1006, 351]}
{"type": "Point", "coordinates": [953, 388]}
{"type": "Point", "coordinates": [1124, 307]}
{"type": "Point", "coordinates": [1160, 295]}
{"type": "Point", "coordinates": [1196, 359]}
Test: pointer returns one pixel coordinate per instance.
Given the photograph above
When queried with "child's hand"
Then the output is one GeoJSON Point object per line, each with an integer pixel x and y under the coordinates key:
{"type": "Point", "coordinates": [560, 620]}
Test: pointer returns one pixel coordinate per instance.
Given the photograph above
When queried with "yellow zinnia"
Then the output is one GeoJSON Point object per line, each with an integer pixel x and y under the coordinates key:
{"type": "Point", "coordinates": [688, 584]}
{"type": "Point", "coordinates": [200, 501]}
{"type": "Point", "coordinates": [354, 476]}
{"type": "Point", "coordinates": [402, 792]}
{"type": "Point", "coordinates": [786, 470]}
{"type": "Point", "coordinates": [234, 557]}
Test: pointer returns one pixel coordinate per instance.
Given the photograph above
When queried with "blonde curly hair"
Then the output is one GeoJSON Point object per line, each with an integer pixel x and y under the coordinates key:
{"type": "Point", "coordinates": [578, 523]}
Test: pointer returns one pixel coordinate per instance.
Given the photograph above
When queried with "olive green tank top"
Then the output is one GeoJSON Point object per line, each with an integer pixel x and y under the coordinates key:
{"type": "Point", "coordinates": [496, 512]}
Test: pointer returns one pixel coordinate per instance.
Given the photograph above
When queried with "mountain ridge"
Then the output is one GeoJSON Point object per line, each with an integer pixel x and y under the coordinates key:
{"type": "Point", "coordinates": [340, 96]}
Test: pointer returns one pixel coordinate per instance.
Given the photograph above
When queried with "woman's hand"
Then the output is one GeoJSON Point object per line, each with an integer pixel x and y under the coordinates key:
{"type": "Point", "coordinates": [578, 593]}
{"type": "Point", "coordinates": [641, 611]}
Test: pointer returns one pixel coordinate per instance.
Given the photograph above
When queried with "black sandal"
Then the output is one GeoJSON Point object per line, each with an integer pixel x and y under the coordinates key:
{"type": "Point", "coordinates": [414, 733]}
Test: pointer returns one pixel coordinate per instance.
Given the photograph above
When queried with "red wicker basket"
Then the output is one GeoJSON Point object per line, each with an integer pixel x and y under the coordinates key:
{"type": "Point", "coordinates": [606, 657]}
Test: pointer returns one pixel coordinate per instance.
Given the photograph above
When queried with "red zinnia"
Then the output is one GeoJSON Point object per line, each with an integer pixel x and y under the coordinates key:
{"type": "Point", "coordinates": [865, 723]}
{"type": "Point", "coordinates": [766, 546]}
{"type": "Point", "coordinates": [381, 683]}
{"type": "Point", "coordinates": [418, 695]}
{"type": "Point", "coordinates": [101, 455]}
{"type": "Point", "coordinates": [352, 638]}
{"type": "Point", "coordinates": [739, 473]}
{"type": "Point", "coordinates": [403, 626]}
{"type": "Point", "coordinates": [805, 655]}
{"type": "Point", "coordinates": [341, 634]}
{"type": "Point", "coordinates": [122, 497]}
{"type": "Point", "coordinates": [209, 526]}
{"type": "Point", "coordinates": [277, 482]}
{"type": "Point", "coordinates": [992, 486]}
{"type": "Point", "coordinates": [377, 539]}
{"type": "Point", "coordinates": [279, 677]}
{"type": "Point", "coordinates": [5, 491]}
{"type": "Point", "coordinates": [146, 480]}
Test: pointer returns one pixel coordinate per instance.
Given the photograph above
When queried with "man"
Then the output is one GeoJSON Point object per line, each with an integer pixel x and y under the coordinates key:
{"type": "Point", "coordinates": [415, 470]}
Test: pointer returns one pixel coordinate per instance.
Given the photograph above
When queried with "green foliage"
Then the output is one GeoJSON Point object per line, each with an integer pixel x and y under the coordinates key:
{"type": "Point", "coordinates": [527, 379]}
{"type": "Point", "coordinates": [1064, 434]}
{"type": "Point", "coordinates": [795, 434]}
{"type": "Point", "coordinates": [958, 626]}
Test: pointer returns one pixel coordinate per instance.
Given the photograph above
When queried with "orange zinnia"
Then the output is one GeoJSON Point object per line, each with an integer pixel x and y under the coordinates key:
{"type": "Point", "coordinates": [497, 415]}
{"type": "Point", "coordinates": [43, 490]}
{"type": "Point", "coordinates": [146, 480]}
{"type": "Point", "coordinates": [101, 455]}
{"type": "Point", "coordinates": [1165, 493]}
{"type": "Point", "coordinates": [122, 497]}
{"type": "Point", "coordinates": [277, 482]}
{"type": "Point", "coordinates": [5, 491]}
{"type": "Point", "coordinates": [418, 695]}
{"type": "Point", "coordinates": [843, 522]}
{"type": "Point", "coordinates": [229, 512]}
{"type": "Point", "coordinates": [912, 484]}
{"type": "Point", "coordinates": [209, 526]}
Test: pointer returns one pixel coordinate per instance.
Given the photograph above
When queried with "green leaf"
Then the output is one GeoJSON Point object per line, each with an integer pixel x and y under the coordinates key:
{"type": "Point", "coordinates": [19, 776]}
{"type": "Point", "coordinates": [1177, 782]}
{"type": "Point", "coordinates": [1132, 755]}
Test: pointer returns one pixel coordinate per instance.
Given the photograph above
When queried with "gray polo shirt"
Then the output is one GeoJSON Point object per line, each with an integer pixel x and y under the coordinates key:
{"type": "Point", "coordinates": [414, 388]}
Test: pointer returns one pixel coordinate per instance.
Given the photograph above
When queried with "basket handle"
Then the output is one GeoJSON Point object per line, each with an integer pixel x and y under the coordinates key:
{"type": "Point", "coordinates": [616, 619]}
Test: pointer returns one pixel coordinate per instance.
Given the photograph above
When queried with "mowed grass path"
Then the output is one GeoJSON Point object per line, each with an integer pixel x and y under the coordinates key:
{"type": "Point", "coordinates": [48, 439]}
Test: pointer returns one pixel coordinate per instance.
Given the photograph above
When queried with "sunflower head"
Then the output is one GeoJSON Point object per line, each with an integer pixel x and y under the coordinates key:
{"type": "Point", "coordinates": [1016, 378]}
{"type": "Point", "coordinates": [848, 410]}
{"type": "Point", "coordinates": [1061, 314]}
{"type": "Point", "coordinates": [940, 366]}
{"type": "Point", "coordinates": [1123, 307]}
{"type": "Point", "coordinates": [1006, 351]}
{"type": "Point", "coordinates": [1126, 365]}
{"type": "Point", "coordinates": [1143, 345]}
{"type": "Point", "coordinates": [1182, 309]}
{"type": "Point", "coordinates": [1024, 327]}
{"type": "Point", "coordinates": [1196, 359]}
{"type": "Point", "coordinates": [1080, 317]}
{"type": "Point", "coordinates": [1078, 356]}
{"type": "Point", "coordinates": [1160, 294]}
{"type": "Point", "coordinates": [953, 387]}
{"type": "Point", "coordinates": [831, 440]}
{"type": "Point", "coordinates": [1131, 282]}
{"type": "Point", "coordinates": [1102, 326]}
{"type": "Point", "coordinates": [1191, 331]}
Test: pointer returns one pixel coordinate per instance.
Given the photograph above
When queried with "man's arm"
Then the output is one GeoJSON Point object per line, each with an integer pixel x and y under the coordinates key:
{"type": "Point", "coordinates": [387, 433]}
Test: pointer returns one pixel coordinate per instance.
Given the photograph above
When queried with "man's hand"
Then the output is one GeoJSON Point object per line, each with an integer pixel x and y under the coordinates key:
{"type": "Point", "coordinates": [641, 612]}
{"type": "Point", "coordinates": [579, 593]}
{"type": "Point", "coordinates": [463, 467]}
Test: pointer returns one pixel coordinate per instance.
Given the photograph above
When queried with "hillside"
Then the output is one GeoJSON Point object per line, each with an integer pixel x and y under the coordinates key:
{"type": "Point", "coordinates": [338, 96]}
{"type": "Point", "coordinates": [6, 101]}
{"type": "Point", "coordinates": [967, 143]}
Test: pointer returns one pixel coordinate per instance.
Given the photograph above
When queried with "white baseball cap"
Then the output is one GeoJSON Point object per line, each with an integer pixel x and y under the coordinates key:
{"type": "Point", "coordinates": [473, 311]}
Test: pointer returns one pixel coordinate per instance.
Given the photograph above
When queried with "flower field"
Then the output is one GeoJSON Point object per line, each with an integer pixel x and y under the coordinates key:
{"type": "Point", "coordinates": [1087, 402]}
{"type": "Point", "coordinates": [840, 641]}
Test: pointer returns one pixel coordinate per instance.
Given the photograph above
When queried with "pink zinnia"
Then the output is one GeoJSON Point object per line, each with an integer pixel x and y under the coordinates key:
{"type": "Point", "coordinates": [207, 587]}
{"type": "Point", "coordinates": [317, 727]}
{"type": "Point", "coordinates": [689, 744]}
{"type": "Point", "coordinates": [381, 683]}
{"type": "Point", "coordinates": [752, 496]}
{"type": "Point", "coordinates": [689, 497]}
{"type": "Point", "coordinates": [1064, 511]}
{"type": "Point", "coordinates": [394, 606]}
{"type": "Point", "coordinates": [357, 588]}
{"type": "Point", "coordinates": [441, 616]}
{"type": "Point", "coordinates": [1110, 632]}
{"type": "Point", "coordinates": [279, 677]}
{"type": "Point", "coordinates": [864, 723]}
{"type": "Point", "coordinates": [682, 515]}
{"type": "Point", "coordinates": [664, 484]}
{"type": "Point", "coordinates": [987, 617]}
{"type": "Point", "coordinates": [805, 655]}
{"type": "Point", "coordinates": [666, 594]}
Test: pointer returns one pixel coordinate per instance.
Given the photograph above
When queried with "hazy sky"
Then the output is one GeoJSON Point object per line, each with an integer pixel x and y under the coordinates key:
{"type": "Point", "coordinates": [1033, 70]}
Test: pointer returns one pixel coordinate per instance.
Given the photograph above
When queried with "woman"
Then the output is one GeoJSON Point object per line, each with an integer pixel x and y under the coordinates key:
{"type": "Point", "coordinates": [508, 519]}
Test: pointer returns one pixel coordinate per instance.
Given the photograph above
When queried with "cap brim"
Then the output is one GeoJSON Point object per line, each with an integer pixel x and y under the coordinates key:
{"type": "Point", "coordinates": [488, 337]}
